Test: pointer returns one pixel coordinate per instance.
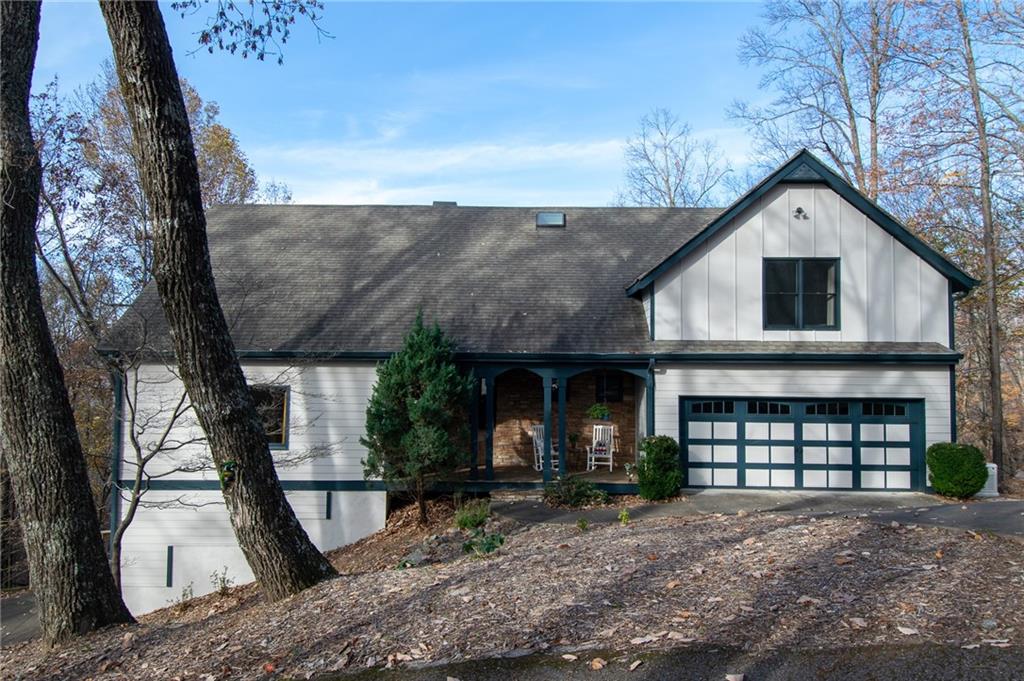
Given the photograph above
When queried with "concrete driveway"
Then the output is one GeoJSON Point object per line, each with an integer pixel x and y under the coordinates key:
{"type": "Point", "coordinates": [710, 501]}
{"type": "Point", "coordinates": [19, 618]}
{"type": "Point", "coordinates": [1004, 517]}
{"type": "Point", "coordinates": [1000, 516]}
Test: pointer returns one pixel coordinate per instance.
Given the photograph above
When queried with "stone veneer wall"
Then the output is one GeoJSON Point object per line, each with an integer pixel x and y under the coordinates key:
{"type": "Point", "coordinates": [520, 404]}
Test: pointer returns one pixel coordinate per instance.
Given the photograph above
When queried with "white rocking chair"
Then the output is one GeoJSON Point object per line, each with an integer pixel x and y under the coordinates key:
{"type": "Point", "coordinates": [602, 448]}
{"type": "Point", "coordinates": [538, 449]}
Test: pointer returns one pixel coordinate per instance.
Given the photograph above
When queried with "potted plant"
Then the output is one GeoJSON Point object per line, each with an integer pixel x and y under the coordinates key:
{"type": "Point", "coordinates": [599, 412]}
{"type": "Point", "coordinates": [574, 441]}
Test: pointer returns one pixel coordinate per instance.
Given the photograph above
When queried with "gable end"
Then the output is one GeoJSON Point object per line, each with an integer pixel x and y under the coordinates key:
{"type": "Point", "coordinates": [805, 167]}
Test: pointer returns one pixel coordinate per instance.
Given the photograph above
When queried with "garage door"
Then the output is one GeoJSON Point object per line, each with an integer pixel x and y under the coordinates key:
{"type": "Point", "coordinates": [803, 444]}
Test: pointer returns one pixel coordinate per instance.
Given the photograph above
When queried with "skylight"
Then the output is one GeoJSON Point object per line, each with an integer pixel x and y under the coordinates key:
{"type": "Point", "coordinates": [550, 219]}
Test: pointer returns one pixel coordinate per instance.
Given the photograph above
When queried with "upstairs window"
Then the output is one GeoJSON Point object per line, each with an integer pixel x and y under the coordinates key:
{"type": "Point", "coordinates": [272, 406]}
{"type": "Point", "coordinates": [801, 293]}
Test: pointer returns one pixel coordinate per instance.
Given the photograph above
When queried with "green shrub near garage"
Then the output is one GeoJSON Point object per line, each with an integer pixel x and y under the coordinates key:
{"type": "Point", "coordinates": [957, 470]}
{"type": "Point", "coordinates": [658, 473]}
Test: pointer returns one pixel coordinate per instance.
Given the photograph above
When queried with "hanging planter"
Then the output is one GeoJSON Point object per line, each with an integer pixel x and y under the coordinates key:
{"type": "Point", "coordinates": [599, 412]}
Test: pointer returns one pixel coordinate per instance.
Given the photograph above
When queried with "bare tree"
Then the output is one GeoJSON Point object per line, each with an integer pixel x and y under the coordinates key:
{"type": "Point", "coordinates": [964, 144]}
{"type": "Point", "coordinates": [666, 165]}
{"type": "Point", "coordinates": [69, 575]}
{"type": "Point", "coordinates": [835, 69]}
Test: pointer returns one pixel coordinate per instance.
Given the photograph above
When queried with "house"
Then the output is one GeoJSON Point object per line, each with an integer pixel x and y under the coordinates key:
{"type": "Point", "coordinates": [800, 338]}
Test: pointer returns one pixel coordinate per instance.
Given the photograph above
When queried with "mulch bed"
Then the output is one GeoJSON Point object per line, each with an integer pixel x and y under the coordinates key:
{"type": "Point", "coordinates": [757, 582]}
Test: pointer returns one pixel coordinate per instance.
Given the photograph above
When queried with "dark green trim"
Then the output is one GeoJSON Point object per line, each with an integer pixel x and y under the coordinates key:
{"type": "Point", "coordinates": [915, 419]}
{"type": "Point", "coordinates": [649, 386]}
{"type": "Point", "coordinates": [952, 369]}
{"type": "Point", "coordinates": [327, 510]}
{"type": "Point", "coordinates": [952, 404]}
{"type": "Point", "coordinates": [489, 433]}
{"type": "Point", "coordinates": [474, 428]}
{"type": "Point", "coordinates": [805, 167]}
{"type": "Point", "coordinates": [116, 452]}
{"type": "Point", "coordinates": [170, 485]}
{"type": "Point", "coordinates": [546, 461]}
{"type": "Point", "coordinates": [498, 363]}
{"type": "Point", "coordinates": [806, 358]}
{"type": "Point", "coordinates": [169, 581]}
{"type": "Point", "coordinates": [376, 486]}
{"type": "Point", "coordinates": [800, 326]}
{"type": "Point", "coordinates": [563, 409]}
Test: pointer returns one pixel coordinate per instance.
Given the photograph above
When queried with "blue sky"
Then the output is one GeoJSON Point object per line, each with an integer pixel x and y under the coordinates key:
{"type": "Point", "coordinates": [480, 103]}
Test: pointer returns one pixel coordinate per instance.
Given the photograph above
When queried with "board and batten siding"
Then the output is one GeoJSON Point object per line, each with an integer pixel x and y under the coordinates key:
{"type": "Point", "coordinates": [854, 381]}
{"type": "Point", "coordinates": [887, 293]}
{"type": "Point", "coordinates": [326, 417]}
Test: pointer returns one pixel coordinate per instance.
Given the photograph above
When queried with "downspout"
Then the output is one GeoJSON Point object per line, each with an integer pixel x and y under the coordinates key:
{"type": "Point", "coordinates": [650, 398]}
{"type": "Point", "coordinates": [116, 453]}
{"type": "Point", "coordinates": [952, 368]}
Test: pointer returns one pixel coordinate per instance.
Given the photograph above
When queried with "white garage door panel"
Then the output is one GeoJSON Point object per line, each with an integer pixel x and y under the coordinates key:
{"type": "Point", "coordinates": [812, 444]}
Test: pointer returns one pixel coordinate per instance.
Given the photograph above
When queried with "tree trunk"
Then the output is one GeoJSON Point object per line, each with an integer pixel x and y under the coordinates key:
{"type": "Point", "coordinates": [421, 500]}
{"type": "Point", "coordinates": [990, 243]}
{"type": "Point", "coordinates": [283, 559]}
{"type": "Point", "coordinates": [67, 565]}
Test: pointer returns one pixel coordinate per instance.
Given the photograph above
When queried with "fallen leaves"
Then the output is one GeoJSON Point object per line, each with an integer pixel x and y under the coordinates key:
{"type": "Point", "coordinates": [596, 595]}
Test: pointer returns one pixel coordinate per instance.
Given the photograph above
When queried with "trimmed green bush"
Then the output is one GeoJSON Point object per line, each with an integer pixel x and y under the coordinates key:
{"type": "Point", "coordinates": [574, 492]}
{"type": "Point", "coordinates": [658, 474]}
{"type": "Point", "coordinates": [957, 470]}
{"type": "Point", "coordinates": [473, 514]}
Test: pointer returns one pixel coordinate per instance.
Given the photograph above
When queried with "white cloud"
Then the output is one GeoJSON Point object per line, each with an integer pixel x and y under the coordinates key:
{"type": "Point", "coordinates": [510, 172]}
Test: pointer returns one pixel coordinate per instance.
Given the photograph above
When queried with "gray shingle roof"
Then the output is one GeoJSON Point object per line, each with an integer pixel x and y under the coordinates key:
{"type": "Point", "coordinates": [351, 278]}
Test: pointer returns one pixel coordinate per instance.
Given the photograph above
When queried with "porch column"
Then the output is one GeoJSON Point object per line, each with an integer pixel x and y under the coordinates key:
{"type": "Point", "coordinates": [474, 428]}
{"type": "Point", "coordinates": [547, 429]}
{"type": "Point", "coordinates": [489, 441]}
{"type": "Point", "coordinates": [563, 390]}
{"type": "Point", "coordinates": [649, 426]}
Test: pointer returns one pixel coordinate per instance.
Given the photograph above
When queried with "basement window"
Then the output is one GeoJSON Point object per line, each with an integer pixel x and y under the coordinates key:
{"type": "Point", "coordinates": [272, 406]}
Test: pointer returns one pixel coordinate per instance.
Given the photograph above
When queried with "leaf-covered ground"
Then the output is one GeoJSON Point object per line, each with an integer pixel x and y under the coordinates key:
{"type": "Point", "coordinates": [757, 582]}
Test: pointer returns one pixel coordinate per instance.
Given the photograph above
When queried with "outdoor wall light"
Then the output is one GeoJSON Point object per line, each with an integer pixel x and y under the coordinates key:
{"type": "Point", "coordinates": [801, 214]}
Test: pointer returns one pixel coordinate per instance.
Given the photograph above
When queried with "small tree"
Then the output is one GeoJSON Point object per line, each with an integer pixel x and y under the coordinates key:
{"type": "Point", "coordinates": [416, 420]}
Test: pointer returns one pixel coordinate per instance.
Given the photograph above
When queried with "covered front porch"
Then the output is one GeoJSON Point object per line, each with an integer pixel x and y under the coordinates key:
{"type": "Point", "coordinates": [511, 401]}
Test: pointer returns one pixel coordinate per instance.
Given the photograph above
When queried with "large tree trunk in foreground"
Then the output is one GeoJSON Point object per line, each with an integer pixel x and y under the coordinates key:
{"type": "Point", "coordinates": [67, 567]}
{"type": "Point", "coordinates": [281, 556]}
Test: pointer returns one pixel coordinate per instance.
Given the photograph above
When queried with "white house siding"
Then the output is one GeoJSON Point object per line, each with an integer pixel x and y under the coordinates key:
{"type": "Point", "coordinates": [812, 381]}
{"type": "Point", "coordinates": [327, 407]}
{"type": "Point", "coordinates": [887, 292]}
{"type": "Point", "coordinates": [203, 542]}
{"type": "Point", "coordinates": [327, 416]}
